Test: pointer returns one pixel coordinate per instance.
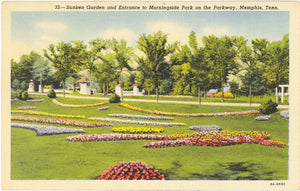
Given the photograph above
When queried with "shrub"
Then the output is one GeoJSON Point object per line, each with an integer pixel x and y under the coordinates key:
{"type": "Point", "coordinates": [24, 95]}
{"type": "Point", "coordinates": [19, 94]}
{"type": "Point", "coordinates": [114, 98]}
{"type": "Point", "coordinates": [268, 107]}
{"type": "Point", "coordinates": [51, 94]}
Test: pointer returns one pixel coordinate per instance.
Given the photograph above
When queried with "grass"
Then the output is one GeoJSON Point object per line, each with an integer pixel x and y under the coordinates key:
{"type": "Point", "coordinates": [52, 157]}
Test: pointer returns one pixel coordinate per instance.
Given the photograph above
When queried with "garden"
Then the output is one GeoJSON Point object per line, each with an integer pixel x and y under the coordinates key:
{"type": "Point", "coordinates": [82, 139]}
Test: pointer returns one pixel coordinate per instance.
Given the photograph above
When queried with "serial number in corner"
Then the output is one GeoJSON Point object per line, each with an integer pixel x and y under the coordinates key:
{"type": "Point", "coordinates": [277, 184]}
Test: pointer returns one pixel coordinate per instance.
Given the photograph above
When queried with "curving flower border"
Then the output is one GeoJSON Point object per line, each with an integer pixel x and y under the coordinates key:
{"type": "Point", "coordinates": [134, 130]}
{"type": "Point", "coordinates": [60, 122]}
{"type": "Point", "coordinates": [148, 117]}
{"type": "Point", "coordinates": [47, 114]}
{"type": "Point", "coordinates": [46, 130]}
{"type": "Point", "coordinates": [35, 100]}
{"type": "Point", "coordinates": [112, 120]}
{"type": "Point", "coordinates": [77, 106]}
{"type": "Point", "coordinates": [188, 114]}
{"type": "Point", "coordinates": [116, 137]}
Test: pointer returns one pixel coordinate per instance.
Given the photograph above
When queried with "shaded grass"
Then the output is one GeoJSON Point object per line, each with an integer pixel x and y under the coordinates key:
{"type": "Point", "coordinates": [52, 157]}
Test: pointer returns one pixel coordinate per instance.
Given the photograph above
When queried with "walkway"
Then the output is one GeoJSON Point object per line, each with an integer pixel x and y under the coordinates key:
{"type": "Point", "coordinates": [165, 101]}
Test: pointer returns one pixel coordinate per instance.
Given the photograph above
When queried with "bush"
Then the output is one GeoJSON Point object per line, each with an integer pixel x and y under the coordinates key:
{"type": "Point", "coordinates": [268, 107]}
{"type": "Point", "coordinates": [19, 94]}
{"type": "Point", "coordinates": [24, 95]}
{"type": "Point", "coordinates": [114, 98]}
{"type": "Point", "coordinates": [51, 94]}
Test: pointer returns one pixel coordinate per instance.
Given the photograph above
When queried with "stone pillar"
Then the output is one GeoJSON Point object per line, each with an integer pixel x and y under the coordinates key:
{"type": "Point", "coordinates": [40, 88]}
{"type": "Point", "coordinates": [31, 86]}
{"type": "Point", "coordinates": [135, 89]}
{"type": "Point", "coordinates": [118, 90]}
{"type": "Point", "coordinates": [85, 88]}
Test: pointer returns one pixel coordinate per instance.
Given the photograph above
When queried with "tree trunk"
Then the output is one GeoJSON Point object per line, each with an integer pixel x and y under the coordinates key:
{"type": "Point", "coordinates": [250, 94]}
{"type": "Point", "coordinates": [90, 82]}
{"type": "Point", "coordinates": [199, 94]}
{"type": "Point", "coordinates": [103, 88]}
{"type": "Point", "coordinates": [156, 95]}
{"type": "Point", "coordinates": [222, 98]}
{"type": "Point", "coordinates": [64, 88]}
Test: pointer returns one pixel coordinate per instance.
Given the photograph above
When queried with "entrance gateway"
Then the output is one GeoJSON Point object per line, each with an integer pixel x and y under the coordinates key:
{"type": "Point", "coordinates": [282, 92]}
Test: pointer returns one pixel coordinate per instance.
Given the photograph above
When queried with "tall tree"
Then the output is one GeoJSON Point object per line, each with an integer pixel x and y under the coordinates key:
{"type": "Point", "coordinates": [123, 56]}
{"type": "Point", "coordinates": [277, 64]}
{"type": "Point", "coordinates": [154, 65]}
{"type": "Point", "coordinates": [22, 71]}
{"type": "Point", "coordinates": [94, 54]}
{"type": "Point", "coordinates": [219, 54]}
{"type": "Point", "coordinates": [66, 59]}
{"type": "Point", "coordinates": [42, 70]}
{"type": "Point", "coordinates": [199, 68]}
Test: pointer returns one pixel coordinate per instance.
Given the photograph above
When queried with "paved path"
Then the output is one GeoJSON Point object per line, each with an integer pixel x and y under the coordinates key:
{"type": "Point", "coordinates": [166, 101]}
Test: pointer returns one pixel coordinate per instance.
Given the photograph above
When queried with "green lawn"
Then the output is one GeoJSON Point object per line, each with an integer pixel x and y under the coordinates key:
{"type": "Point", "coordinates": [52, 157]}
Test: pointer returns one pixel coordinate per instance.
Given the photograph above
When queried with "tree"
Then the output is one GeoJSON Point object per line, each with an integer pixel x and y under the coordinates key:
{"type": "Point", "coordinates": [97, 47]}
{"type": "Point", "coordinates": [219, 55]}
{"type": "Point", "coordinates": [154, 65]}
{"type": "Point", "coordinates": [66, 59]}
{"type": "Point", "coordinates": [199, 68]}
{"type": "Point", "coordinates": [41, 70]}
{"type": "Point", "coordinates": [123, 55]}
{"type": "Point", "coordinates": [276, 69]}
{"type": "Point", "coordinates": [22, 71]}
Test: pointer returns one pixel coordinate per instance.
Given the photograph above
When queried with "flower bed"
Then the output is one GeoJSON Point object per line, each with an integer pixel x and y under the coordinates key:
{"type": "Point", "coordinates": [226, 95]}
{"type": "Point", "coordinates": [35, 100]}
{"type": "Point", "coordinates": [103, 108]}
{"type": "Point", "coordinates": [60, 122]}
{"type": "Point", "coordinates": [218, 141]}
{"type": "Point", "coordinates": [15, 99]}
{"type": "Point", "coordinates": [263, 118]}
{"type": "Point", "coordinates": [205, 128]}
{"type": "Point", "coordinates": [134, 130]}
{"type": "Point", "coordinates": [285, 114]}
{"type": "Point", "coordinates": [47, 114]}
{"type": "Point", "coordinates": [26, 107]}
{"type": "Point", "coordinates": [112, 120]}
{"type": "Point", "coordinates": [46, 130]}
{"type": "Point", "coordinates": [67, 105]}
{"type": "Point", "coordinates": [131, 171]}
{"type": "Point", "coordinates": [188, 114]}
{"type": "Point", "coordinates": [116, 137]}
{"type": "Point", "coordinates": [148, 117]}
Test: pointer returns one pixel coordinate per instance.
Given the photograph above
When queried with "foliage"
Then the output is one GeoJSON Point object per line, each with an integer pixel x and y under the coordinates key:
{"type": "Point", "coordinates": [219, 55]}
{"type": "Point", "coordinates": [277, 65]}
{"type": "Point", "coordinates": [268, 107]}
{"type": "Point", "coordinates": [19, 94]}
{"type": "Point", "coordinates": [24, 95]}
{"type": "Point", "coordinates": [66, 59]}
{"type": "Point", "coordinates": [51, 93]}
{"type": "Point", "coordinates": [114, 98]}
{"type": "Point", "coordinates": [154, 67]}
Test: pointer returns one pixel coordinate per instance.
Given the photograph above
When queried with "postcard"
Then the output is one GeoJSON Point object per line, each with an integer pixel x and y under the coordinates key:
{"type": "Point", "coordinates": [150, 95]}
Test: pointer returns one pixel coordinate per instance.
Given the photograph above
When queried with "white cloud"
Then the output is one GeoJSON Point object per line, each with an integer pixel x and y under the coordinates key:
{"type": "Point", "coordinates": [217, 31]}
{"type": "Point", "coordinates": [130, 36]}
{"type": "Point", "coordinates": [175, 31]}
{"type": "Point", "coordinates": [51, 26]}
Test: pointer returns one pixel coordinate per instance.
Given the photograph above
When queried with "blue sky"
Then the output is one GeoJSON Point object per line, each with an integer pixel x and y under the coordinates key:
{"type": "Point", "coordinates": [36, 30]}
